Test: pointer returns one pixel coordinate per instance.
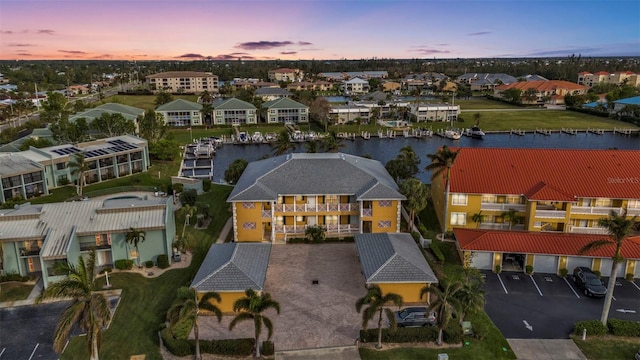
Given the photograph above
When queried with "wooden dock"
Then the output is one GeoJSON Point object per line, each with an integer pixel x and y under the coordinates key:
{"type": "Point", "coordinates": [570, 131]}
{"type": "Point", "coordinates": [544, 132]}
{"type": "Point", "coordinates": [595, 131]}
{"type": "Point", "coordinates": [517, 132]}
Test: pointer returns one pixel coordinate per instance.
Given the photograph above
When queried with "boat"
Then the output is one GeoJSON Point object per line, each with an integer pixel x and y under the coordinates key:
{"type": "Point", "coordinates": [452, 134]}
{"type": "Point", "coordinates": [297, 135]}
{"type": "Point", "coordinates": [311, 135]}
{"type": "Point", "coordinates": [257, 137]}
{"type": "Point", "coordinates": [475, 132]}
{"type": "Point", "coordinates": [242, 137]}
{"type": "Point", "coordinates": [270, 137]}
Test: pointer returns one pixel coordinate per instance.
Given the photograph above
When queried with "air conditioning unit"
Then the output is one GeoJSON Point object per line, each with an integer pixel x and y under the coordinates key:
{"type": "Point", "coordinates": [425, 243]}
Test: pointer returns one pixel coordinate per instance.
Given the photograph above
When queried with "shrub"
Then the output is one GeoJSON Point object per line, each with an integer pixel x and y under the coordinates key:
{"type": "Point", "coordinates": [594, 328]}
{"type": "Point", "coordinates": [14, 277]}
{"type": "Point", "coordinates": [623, 328]}
{"type": "Point", "coordinates": [423, 230]}
{"type": "Point", "coordinates": [206, 185]}
{"type": "Point", "coordinates": [237, 347]}
{"type": "Point", "coordinates": [163, 261]}
{"type": "Point", "coordinates": [498, 269]}
{"type": "Point", "coordinates": [416, 236]}
{"type": "Point", "coordinates": [177, 347]}
{"type": "Point", "coordinates": [528, 269]}
{"type": "Point", "coordinates": [629, 277]}
{"type": "Point", "coordinates": [449, 235]}
{"type": "Point", "coordinates": [178, 187]}
{"type": "Point", "coordinates": [597, 273]}
{"type": "Point", "coordinates": [452, 334]}
{"type": "Point", "coordinates": [107, 269]}
{"type": "Point", "coordinates": [435, 249]}
{"type": "Point", "coordinates": [124, 264]}
{"type": "Point", "coordinates": [401, 335]}
{"type": "Point", "coordinates": [188, 197]}
{"type": "Point", "coordinates": [563, 272]}
{"type": "Point", "coordinates": [148, 264]}
{"type": "Point", "coordinates": [267, 348]}
{"type": "Point", "coordinates": [298, 241]}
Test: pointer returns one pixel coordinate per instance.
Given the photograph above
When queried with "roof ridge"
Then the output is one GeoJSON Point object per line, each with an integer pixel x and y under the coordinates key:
{"type": "Point", "coordinates": [239, 267]}
{"type": "Point", "coordinates": [385, 263]}
{"type": "Point", "coordinates": [220, 268]}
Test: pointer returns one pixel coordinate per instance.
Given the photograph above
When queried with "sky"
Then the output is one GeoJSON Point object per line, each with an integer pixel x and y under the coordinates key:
{"type": "Point", "coordinates": [315, 29]}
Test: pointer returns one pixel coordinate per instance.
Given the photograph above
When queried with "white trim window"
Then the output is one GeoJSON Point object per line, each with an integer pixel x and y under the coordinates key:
{"type": "Point", "coordinates": [459, 199]}
{"type": "Point", "coordinates": [458, 218]}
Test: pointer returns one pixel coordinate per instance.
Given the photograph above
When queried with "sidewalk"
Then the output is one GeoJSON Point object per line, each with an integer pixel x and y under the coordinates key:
{"type": "Point", "coordinates": [546, 349]}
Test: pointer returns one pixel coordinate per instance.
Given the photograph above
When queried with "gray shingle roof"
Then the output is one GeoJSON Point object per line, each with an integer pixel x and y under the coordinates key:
{"type": "Point", "coordinates": [392, 258]}
{"type": "Point", "coordinates": [179, 104]}
{"type": "Point", "coordinates": [233, 267]}
{"type": "Point", "coordinates": [315, 174]}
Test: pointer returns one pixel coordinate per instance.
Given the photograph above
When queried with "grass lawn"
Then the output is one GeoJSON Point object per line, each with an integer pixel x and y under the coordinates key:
{"type": "Point", "coordinates": [56, 195]}
{"type": "Point", "coordinates": [544, 119]}
{"type": "Point", "coordinates": [608, 347]}
{"type": "Point", "coordinates": [12, 291]}
{"type": "Point", "coordinates": [144, 302]}
{"type": "Point", "coordinates": [143, 101]}
{"type": "Point", "coordinates": [483, 103]}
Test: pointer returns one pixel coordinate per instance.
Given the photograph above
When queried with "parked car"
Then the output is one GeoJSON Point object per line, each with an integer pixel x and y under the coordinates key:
{"type": "Point", "coordinates": [588, 282]}
{"type": "Point", "coordinates": [415, 316]}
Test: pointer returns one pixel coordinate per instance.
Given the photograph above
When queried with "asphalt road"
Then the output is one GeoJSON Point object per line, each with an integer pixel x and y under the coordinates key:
{"type": "Point", "coordinates": [545, 306]}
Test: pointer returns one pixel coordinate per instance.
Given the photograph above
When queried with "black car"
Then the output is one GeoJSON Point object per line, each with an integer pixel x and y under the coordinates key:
{"type": "Point", "coordinates": [415, 316]}
{"type": "Point", "coordinates": [589, 282]}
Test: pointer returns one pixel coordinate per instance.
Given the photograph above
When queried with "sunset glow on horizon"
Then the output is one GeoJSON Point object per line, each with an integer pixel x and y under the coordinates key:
{"type": "Point", "coordinates": [292, 30]}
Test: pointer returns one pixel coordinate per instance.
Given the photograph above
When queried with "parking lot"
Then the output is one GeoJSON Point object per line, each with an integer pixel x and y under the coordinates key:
{"type": "Point", "coordinates": [545, 306]}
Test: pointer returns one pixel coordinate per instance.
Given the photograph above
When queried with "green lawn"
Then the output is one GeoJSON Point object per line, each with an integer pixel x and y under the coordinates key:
{"type": "Point", "coordinates": [143, 101]}
{"type": "Point", "coordinates": [608, 347]}
{"type": "Point", "coordinates": [12, 291]}
{"type": "Point", "coordinates": [544, 119]}
{"type": "Point", "coordinates": [144, 302]}
{"type": "Point", "coordinates": [483, 103]}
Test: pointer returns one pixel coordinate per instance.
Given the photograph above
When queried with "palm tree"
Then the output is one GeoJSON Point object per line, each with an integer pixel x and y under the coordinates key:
{"type": "Point", "coordinates": [332, 143]}
{"type": "Point", "coordinates": [476, 117]}
{"type": "Point", "coordinates": [619, 227]}
{"type": "Point", "coordinates": [206, 111]}
{"type": "Point", "coordinates": [251, 307]}
{"type": "Point", "coordinates": [441, 164]}
{"type": "Point", "coordinates": [471, 298]}
{"type": "Point", "coordinates": [187, 308]}
{"type": "Point", "coordinates": [417, 195]}
{"type": "Point", "coordinates": [446, 303]}
{"type": "Point", "coordinates": [88, 309]}
{"type": "Point", "coordinates": [312, 146]}
{"type": "Point", "coordinates": [283, 143]}
{"type": "Point", "coordinates": [511, 216]}
{"type": "Point", "coordinates": [477, 218]}
{"type": "Point", "coordinates": [78, 167]}
{"type": "Point", "coordinates": [376, 301]}
{"type": "Point", "coordinates": [134, 237]}
{"type": "Point", "coordinates": [315, 233]}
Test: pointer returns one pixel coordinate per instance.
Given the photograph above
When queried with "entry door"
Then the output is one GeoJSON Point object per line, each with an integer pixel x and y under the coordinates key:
{"type": "Point", "coordinates": [311, 202]}
{"type": "Point", "coordinates": [103, 258]}
{"type": "Point", "coordinates": [312, 221]}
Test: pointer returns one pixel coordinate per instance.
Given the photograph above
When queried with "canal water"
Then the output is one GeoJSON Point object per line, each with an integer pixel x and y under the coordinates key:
{"type": "Point", "coordinates": [384, 150]}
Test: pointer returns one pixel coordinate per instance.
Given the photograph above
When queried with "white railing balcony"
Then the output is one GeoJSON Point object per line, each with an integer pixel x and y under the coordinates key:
{"type": "Point", "coordinates": [502, 207]}
{"type": "Point", "coordinates": [266, 214]}
{"type": "Point", "coordinates": [500, 226]}
{"type": "Point", "coordinates": [633, 211]}
{"type": "Point", "coordinates": [551, 214]}
{"type": "Point", "coordinates": [596, 210]}
{"type": "Point", "coordinates": [367, 212]}
{"type": "Point", "coordinates": [331, 228]}
{"type": "Point", "coordinates": [588, 230]}
{"type": "Point", "coordinates": [316, 207]}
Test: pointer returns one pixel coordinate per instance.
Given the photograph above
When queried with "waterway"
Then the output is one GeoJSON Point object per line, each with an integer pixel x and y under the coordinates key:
{"type": "Point", "coordinates": [384, 150]}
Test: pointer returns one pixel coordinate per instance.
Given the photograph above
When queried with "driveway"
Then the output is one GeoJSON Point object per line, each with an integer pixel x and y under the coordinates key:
{"type": "Point", "coordinates": [312, 315]}
{"type": "Point", "coordinates": [546, 306]}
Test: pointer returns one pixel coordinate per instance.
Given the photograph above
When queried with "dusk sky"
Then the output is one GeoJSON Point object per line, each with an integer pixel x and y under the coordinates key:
{"type": "Point", "coordinates": [315, 29]}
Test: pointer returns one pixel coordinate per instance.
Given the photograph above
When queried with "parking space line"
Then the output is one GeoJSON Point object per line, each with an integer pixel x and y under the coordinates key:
{"type": "Point", "coordinates": [34, 351]}
{"type": "Point", "coordinates": [571, 287]}
{"type": "Point", "coordinates": [636, 285]}
{"type": "Point", "coordinates": [536, 284]}
{"type": "Point", "coordinates": [2, 352]}
{"type": "Point", "coordinates": [503, 287]}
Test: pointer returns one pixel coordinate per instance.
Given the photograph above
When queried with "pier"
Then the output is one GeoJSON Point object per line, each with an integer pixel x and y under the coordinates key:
{"type": "Point", "coordinates": [595, 131]}
{"type": "Point", "coordinates": [517, 132]}
{"type": "Point", "coordinates": [570, 131]}
{"type": "Point", "coordinates": [544, 132]}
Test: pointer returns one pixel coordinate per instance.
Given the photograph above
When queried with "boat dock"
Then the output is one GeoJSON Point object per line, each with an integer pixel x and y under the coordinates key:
{"type": "Point", "coordinates": [544, 132]}
{"type": "Point", "coordinates": [570, 131]}
{"type": "Point", "coordinates": [595, 131]}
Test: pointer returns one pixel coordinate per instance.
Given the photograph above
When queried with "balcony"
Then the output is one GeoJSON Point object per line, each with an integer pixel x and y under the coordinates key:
{"type": "Point", "coordinates": [331, 229]}
{"type": "Point", "coordinates": [367, 212]}
{"type": "Point", "coordinates": [30, 251]}
{"type": "Point", "coordinates": [633, 211]}
{"type": "Point", "coordinates": [500, 226]}
{"type": "Point", "coordinates": [316, 207]}
{"type": "Point", "coordinates": [551, 214]}
{"type": "Point", "coordinates": [502, 207]}
{"type": "Point", "coordinates": [89, 246]}
{"type": "Point", "coordinates": [597, 210]}
{"type": "Point", "coordinates": [587, 230]}
{"type": "Point", "coordinates": [266, 214]}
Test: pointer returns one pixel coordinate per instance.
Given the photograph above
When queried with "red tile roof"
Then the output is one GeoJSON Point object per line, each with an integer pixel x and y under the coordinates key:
{"type": "Point", "coordinates": [542, 85]}
{"type": "Point", "coordinates": [527, 242]}
{"type": "Point", "coordinates": [547, 174]}
{"type": "Point", "coordinates": [602, 73]}
{"type": "Point", "coordinates": [584, 73]}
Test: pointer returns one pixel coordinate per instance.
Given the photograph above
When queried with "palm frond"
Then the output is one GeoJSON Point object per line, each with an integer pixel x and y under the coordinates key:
{"type": "Point", "coordinates": [69, 317]}
{"type": "Point", "coordinates": [243, 316]}
{"type": "Point", "coordinates": [595, 245]}
{"type": "Point", "coordinates": [269, 325]}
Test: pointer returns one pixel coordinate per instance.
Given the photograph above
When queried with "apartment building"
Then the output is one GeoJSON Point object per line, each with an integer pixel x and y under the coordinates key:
{"type": "Point", "coordinates": [285, 74]}
{"type": "Point", "coordinates": [549, 91]}
{"type": "Point", "coordinates": [539, 203]}
{"type": "Point", "coordinates": [285, 111]}
{"type": "Point", "coordinates": [434, 112]}
{"type": "Point", "coordinates": [186, 82]}
{"type": "Point", "coordinates": [277, 199]}
{"type": "Point", "coordinates": [234, 111]}
{"type": "Point", "coordinates": [604, 77]}
{"type": "Point", "coordinates": [343, 114]}
{"type": "Point", "coordinates": [181, 112]}
{"type": "Point", "coordinates": [355, 86]}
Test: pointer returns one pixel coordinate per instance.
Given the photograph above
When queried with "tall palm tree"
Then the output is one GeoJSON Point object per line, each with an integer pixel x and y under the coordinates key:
{"type": "Point", "coordinates": [331, 143]}
{"type": "Point", "coordinates": [134, 237]}
{"type": "Point", "coordinates": [417, 195]}
{"type": "Point", "coordinates": [441, 164]}
{"type": "Point", "coordinates": [283, 143]}
{"type": "Point", "coordinates": [619, 227]}
{"type": "Point", "coordinates": [187, 308]}
{"type": "Point", "coordinates": [446, 303]}
{"type": "Point", "coordinates": [471, 298]}
{"type": "Point", "coordinates": [477, 218]}
{"type": "Point", "coordinates": [376, 302]}
{"type": "Point", "coordinates": [79, 167]}
{"type": "Point", "coordinates": [251, 307]}
{"type": "Point", "coordinates": [88, 309]}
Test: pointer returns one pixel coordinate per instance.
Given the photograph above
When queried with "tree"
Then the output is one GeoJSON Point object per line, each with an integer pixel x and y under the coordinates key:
{"type": "Point", "coordinates": [55, 107]}
{"type": "Point", "coordinates": [331, 142]}
{"type": "Point", "coordinates": [89, 309]}
{"type": "Point", "coordinates": [235, 170]}
{"type": "Point", "coordinates": [22, 106]}
{"type": "Point", "coordinates": [283, 143]}
{"type": "Point", "coordinates": [134, 237]}
{"type": "Point", "coordinates": [206, 97]}
{"type": "Point", "coordinates": [619, 227]}
{"type": "Point", "coordinates": [471, 298]}
{"type": "Point", "coordinates": [206, 111]}
{"type": "Point", "coordinates": [65, 131]}
{"type": "Point", "coordinates": [164, 150]}
{"type": "Point", "coordinates": [36, 143]}
{"type": "Point", "coordinates": [446, 303]}
{"type": "Point", "coordinates": [512, 95]}
{"type": "Point", "coordinates": [113, 124]}
{"type": "Point", "coordinates": [187, 308]}
{"type": "Point", "coordinates": [405, 165]}
{"type": "Point", "coordinates": [319, 111]}
{"type": "Point", "coordinates": [511, 216]}
{"type": "Point", "coordinates": [476, 118]}
{"type": "Point", "coordinates": [312, 146]}
{"type": "Point", "coordinates": [251, 307]}
{"type": "Point", "coordinates": [152, 126]}
{"type": "Point", "coordinates": [417, 194]}
{"type": "Point", "coordinates": [530, 95]}
{"type": "Point", "coordinates": [376, 302]}
{"type": "Point", "coordinates": [78, 167]}
{"type": "Point", "coordinates": [315, 233]}
{"type": "Point", "coordinates": [163, 98]}
{"type": "Point", "coordinates": [441, 164]}
{"type": "Point", "coordinates": [477, 218]}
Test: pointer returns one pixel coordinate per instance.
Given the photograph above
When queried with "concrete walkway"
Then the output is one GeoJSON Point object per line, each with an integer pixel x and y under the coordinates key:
{"type": "Point", "coordinates": [225, 231]}
{"type": "Point", "coordinates": [330, 353]}
{"type": "Point", "coordinates": [546, 349]}
{"type": "Point", "coordinates": [37, 289]}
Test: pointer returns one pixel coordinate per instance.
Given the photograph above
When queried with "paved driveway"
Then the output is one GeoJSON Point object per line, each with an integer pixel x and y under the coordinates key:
{"type": "Point", "coordinates": [545, 306]}
{"type": "Point", "coordinates": [312, 315]}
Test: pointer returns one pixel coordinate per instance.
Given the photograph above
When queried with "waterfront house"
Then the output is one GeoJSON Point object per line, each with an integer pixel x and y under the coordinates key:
{"type": "Point", "coordinates": [272, 93]}
{"type": "Point", "coordinates": [285, 74]}
{"type": "Point", "coordinates": [234, 111]}
{"type": "Point", "coordinates": [180, 112]}
{"type": "Point", "coordinates": [355, 86]}
{"type": "Point", "coordinates": [285, 111]}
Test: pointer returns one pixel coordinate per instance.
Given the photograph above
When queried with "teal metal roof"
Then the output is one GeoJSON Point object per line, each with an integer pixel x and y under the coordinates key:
{"type": "Point", "coordinates": [178, 105]}
{"type": "Point", "coordinates": [233, 104]}
{"type": "Point", "coordinates": [284, 103]}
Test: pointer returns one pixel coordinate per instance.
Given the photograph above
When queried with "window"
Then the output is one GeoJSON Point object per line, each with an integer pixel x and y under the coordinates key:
{"type": "Point", "coordinates": [487, 198]}
{"type": "Point", "coordinates": [459, 199]}
{"type": "Point", "coordinates": [331, 219]}
{"type": "Point", "coordinates": [384, 224]}
{"type": "Point", "coordinates": [279, 220]}
{"type": "Point", "coordinates": [331, 199]}
{"type": "Point", "coordinates": [511, 199]}
{"type": "Point", "coordinates": [299, 198]}
{"type": "Point", "coordinates": [61, 166]}
{"type": "Point", "coordinates": [300, 219]}
{"type": "Point", "coordinates": [384, 203]}
{"type": "Point", "coordinates": [537, 224]}
{"type": "Point", "coordinates": [458, 218]}
{"type": "Point", "coordinates": [249, 226]}
{"type": "Point", "coordinates": [634, 204]}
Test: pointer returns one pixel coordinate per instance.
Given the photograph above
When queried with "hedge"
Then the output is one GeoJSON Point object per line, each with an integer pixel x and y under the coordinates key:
{"type": "Point", "coordinates": [184, 347]}
{"type": "Point", "coordinates": [436, 251]}
{"type": "Point", "coordinates": [124, 264]}
{"type": "Point", "coordinates": [619, 327]}
{"type": "Point", "coordinates": [163, 261]}
{"type": "Point", "coordinates": [14, 277]}
{"type": "Point", "coordinates": [451, 335]}
{"type": "Point", "coordinates": [267, 348]}
{"type": "Point", "coordinates": [594, 328]}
